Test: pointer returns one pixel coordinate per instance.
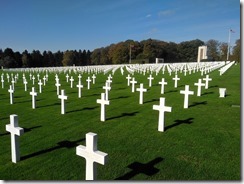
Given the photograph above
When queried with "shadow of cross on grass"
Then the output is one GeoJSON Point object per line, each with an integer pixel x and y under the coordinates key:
{"type": "Point", "coordinates": [198, 103]}
{"type": "Point", "coordinates": [31, 128]}
{"type": "Point", "coordinates": [140, 168]}
{"type": "Point", "coordinates": [179, 122]}
{"type": "Point", "coordinates": [62, 144]}
{"type": "Point", "coordinates": [123, 115]}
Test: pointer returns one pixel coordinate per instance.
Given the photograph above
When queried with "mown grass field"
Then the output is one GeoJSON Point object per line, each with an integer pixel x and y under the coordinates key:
{"type": "Point", "coordinates": [199, 143]}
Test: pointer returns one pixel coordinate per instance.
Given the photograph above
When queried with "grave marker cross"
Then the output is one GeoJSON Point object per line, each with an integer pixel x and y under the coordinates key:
{"type": "Point", "coordinates": [107, 88]}
{"type": "Point", "coordinates": [141, 90]}
{"type": "Point", "coordinates": [128, 79]}
{"type": "Point", "coordinates": [176, 78]}
{"type": "Point", "coordinates": [186, 93]}
{"type": "Point", "coordinates": [71, 81]}
{"type": "Point", "coordinates": [161, 108]}
{"type": "Point", "coordinates": [88, 80]}
{"type": "Point", "coordinates": [150, 78]}
{"type": "Point", "coordinates": [62, 97]}
{"type": "Point", "coordinates": [57, 85]}
{"type": "Point", "coordinates": [79, 86]}
{"type": "Point", "coordinates": [67, 78]}
{"type": "Point", "coordinates": [2, 80]}
{"type": "Point", "coordinates": [40, 86]}
{"type": "Point", "coordinates": [103, 102]}
{"type": "Point", "coordinates": [15, 132]}
{"type": "Point", "coordinates": [207, 79]}
{"type": "Point", "coordinates": [11, 93]}
{"type": "Point", "coordinates": [25, 83]}
{"type": "Point", "coordinates": [33, 94]}
{"type": "Point", "coordinates": [33, 80]}
{"type": "Point", "coordinates": [199, 85]}
{"type": "Point", "coordinates": [92, 155]}
{"type": "Point", "coordinates": [93, 79]}
{"type": "Point", "coordinates": [133, 82]}
{"type": "Point", "coordinates": [162, 85]}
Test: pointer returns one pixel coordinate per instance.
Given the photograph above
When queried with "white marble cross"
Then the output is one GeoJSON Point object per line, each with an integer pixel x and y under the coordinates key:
{"type": "Point", "coordinates": [107, 88]}
{"type": "Point", "coordinates": [62, 97]}
{"type": "Point", "coordinates": [150, 78]}
{"type": "Point", "coordinates": [71, 81]}
{"type": "Point", "coordinates": [128, 79]}
{"type": "Point", "coordinates": [79, 86]}
{"type": "Point", "coordinates": [92, 155]}
{"type": "Point", "coordinates": [162, 85]}
{"type": "Point", "coordinates": [13, 81]}
{"type": "Point", "coordinates": [79, 77]}
{"type": "Point", "coordinates": [33, 94]}
{"type": "Point", "coordinates": [57, 85]}
{"type": "Point", "coordinates": [93, 79]}
{"type": "Point", "coordinates": [15, 132]}
{"type": "Point", "coordinates": [186, 93]}
{"type": "Point", "coordinates": [40, 86]}
{"type": "Point", "coordinates": [56, 78]}
{"type": "Point", "coordinates": [207, 79]}
{"type": "Point", "coordinates": [133, 82]}
{"type": "Point", "coordinates": [161, 108]}
{"type": "Point", "coordinates": [7, 77]}
{"type": "Point", "coordinates": [88, 80]}
{"type": "Point", "coordinates": [199, 86]}
{"type": "Point", "coordinates": [23, 78]}
{"type": "Point", "coordinates": [185, 71]}
{"type": "Point", "coordinates": [33, 79]}
{"type": "Point", "coordinates": [25, 83]}
{"type": "Point", "coordinates": [11, 93]}
{"type": "Point", "coordinates": [176, 78]}
{"type": "Point", "coordinates": [2, 80]}
{"type": "Point", "coordinates": [67, 78]}
{"type": "Point", "coordinates": [103, 102]}
{"type": "Point", "coordinates": [109, 81]}
{"type": "Point", "coordinates": [141, 90]}
{"type": "Point", "coordinates": [44, 80]}
{"type": "Point", "coordinates": [110, 77]}
{"type": "Point", "coordinates": [46, 76]}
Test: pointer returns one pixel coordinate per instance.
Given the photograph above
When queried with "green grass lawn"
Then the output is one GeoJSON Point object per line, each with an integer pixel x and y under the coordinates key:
{"type": "Point", "coordinates": [199, 143]}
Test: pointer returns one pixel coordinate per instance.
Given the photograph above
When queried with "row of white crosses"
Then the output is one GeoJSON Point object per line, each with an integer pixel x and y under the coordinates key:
{"type": "Point", "coordinates": [162, 108]}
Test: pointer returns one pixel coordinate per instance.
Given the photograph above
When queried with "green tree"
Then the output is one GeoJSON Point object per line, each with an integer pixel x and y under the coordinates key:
{"type": "Point", "coordinates": [96, 57]}
{"type": "Point", "coordinates": [18, 59]}
{"type": "Point", "coordinates": [68, 58]}
{"type": "Point", "coordinates": [119, 53]}
{"type": "Point", "coordinates": [223, 48]}
{"type": "Point", "coordinates": [26, 59]}
{"type": "Point", "coordinates": [8, 62]}
{"type": "Point", "coordinates": [188, 50]}
{"type": "Point", "coordinates": [36, 58]}
{"type": "Point", "coordinates": [237, 51]}
{"type": "Point", "coordinates": [213, 50]}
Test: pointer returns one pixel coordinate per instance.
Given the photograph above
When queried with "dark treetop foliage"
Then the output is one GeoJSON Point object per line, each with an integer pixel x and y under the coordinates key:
{"type": "Point", "coordinates": [119, 53]}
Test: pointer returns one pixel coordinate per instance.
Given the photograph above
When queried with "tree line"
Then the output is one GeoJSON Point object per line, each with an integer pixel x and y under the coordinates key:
{"type": "Point", "coordinates": [121, 53]}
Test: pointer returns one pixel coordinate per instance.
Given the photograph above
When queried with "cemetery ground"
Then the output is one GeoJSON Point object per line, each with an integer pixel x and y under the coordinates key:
{"type": "Point", "coordinates": [199, 143]}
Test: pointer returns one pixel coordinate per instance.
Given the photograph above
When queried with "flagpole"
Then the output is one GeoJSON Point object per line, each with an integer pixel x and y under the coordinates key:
{"type": "Point", "coordinates": [228, 51]}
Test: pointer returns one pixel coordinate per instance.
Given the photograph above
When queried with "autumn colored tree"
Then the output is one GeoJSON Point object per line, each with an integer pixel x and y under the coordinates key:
{"type": "Point", "coordinates": [237, 51]}
{"type": "Point", "coordinates": [68, 58]}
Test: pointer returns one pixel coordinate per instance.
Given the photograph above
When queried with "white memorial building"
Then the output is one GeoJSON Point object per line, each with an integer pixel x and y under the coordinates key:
{"type": "Point", "coordinates": [202, 53]}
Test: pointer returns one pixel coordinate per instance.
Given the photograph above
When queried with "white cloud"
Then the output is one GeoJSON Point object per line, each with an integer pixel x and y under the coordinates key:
{"type": "Point", "coordinates": [165, 13]}
{"type": "Point", "coordinates": [149, 15]}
